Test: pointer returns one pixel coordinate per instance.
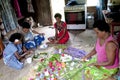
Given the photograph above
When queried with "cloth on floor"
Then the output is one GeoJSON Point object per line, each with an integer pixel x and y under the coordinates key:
{"type": "Point", "coordinates": [74, 52]}
{"type": "Point", "coordinates": [91, 72]}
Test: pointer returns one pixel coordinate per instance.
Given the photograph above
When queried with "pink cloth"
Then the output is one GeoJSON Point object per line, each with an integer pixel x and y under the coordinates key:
{"type": "Point", "coordinates": [17, 9]}
{"type": "Point", "coordinates": [101, 53]}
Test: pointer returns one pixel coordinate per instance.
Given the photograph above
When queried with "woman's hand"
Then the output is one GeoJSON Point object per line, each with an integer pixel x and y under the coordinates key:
{"type": "Point", "coordinates": [94, 64]}
{"type": "Point", "coordinates": [84, 59]}
{"type": "Point", "coordinates": [51, 39]}
{"type": "Point", "coordinates": [26, 53]}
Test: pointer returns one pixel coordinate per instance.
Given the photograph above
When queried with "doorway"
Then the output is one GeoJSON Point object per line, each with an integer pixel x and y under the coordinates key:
{"type": "Point", "coordinates": [57, 6]}
{"type": "Point", "coordinates": [42, 12]}
{"type": "Point", "coordinates": [46, 9]}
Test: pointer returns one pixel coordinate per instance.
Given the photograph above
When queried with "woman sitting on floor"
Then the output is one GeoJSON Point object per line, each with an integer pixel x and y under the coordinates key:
{"type": "Point", "coordinates": [107, 51]}
{"type": "Point", "coordinates": [61, 33]}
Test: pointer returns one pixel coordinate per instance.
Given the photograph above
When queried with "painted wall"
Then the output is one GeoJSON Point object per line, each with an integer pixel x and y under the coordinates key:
{"type": "Point", "coordinates": [57, 6]}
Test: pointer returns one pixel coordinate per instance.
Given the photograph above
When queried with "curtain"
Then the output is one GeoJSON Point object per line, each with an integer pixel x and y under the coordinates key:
{"type": "Point", "coordinates": [8, 15]}
{"type": "Point", "coordinates": [102, 5]}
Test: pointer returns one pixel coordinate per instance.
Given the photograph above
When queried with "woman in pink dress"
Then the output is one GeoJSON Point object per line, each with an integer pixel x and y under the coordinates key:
{"type": "Point", "coordinates": [61, 33]}
{"type": "Point", "coordinates": [106, 50]}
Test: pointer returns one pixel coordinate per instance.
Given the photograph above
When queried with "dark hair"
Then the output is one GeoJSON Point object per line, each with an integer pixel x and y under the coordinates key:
{"type": "Point", "coordinates": [14, 36]}
{"type": "Point", "coordinates": [58, 15]}
{"type": "Point", "coordinates": [25, 25]}
{"type": "Point", "coordinates": [101, 25]}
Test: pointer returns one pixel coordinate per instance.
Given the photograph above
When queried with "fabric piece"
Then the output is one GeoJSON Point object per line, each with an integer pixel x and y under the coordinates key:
{"type": "Point", "coordinates": [74, 52]}
{"type": "Point", "coordinates": [17, 8]}
{"type": "Point", "coordinates": [8, 16]}
{"type": "Point", "coordinates": [30, 45]}
{"type": "Point", "coordinates": [33, 43]}
{"type": "Point", "coordinates": [100, 73]}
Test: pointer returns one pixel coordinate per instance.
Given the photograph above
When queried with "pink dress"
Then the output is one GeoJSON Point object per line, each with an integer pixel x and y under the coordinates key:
{"type": "Point", "coordinates": [101, 53]}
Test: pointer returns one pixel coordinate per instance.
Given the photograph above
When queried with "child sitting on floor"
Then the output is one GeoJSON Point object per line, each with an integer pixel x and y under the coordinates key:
{"type": "Point", "coordinates": [14, 52]}
{"type": "Point", "coordinates": [30, 40]}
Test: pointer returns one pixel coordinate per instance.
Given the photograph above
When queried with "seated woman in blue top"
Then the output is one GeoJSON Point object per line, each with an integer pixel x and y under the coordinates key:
{"type": "Point", "coordinates": [14, 52]}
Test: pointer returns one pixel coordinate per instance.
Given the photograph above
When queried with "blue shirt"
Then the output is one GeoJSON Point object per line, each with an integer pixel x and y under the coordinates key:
{"type": "Point", "coordinates": [28, 36]}
{"type": "Point", "coordinates": [9, 51]}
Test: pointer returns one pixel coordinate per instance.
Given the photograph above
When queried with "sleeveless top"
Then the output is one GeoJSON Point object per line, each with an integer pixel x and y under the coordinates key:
{"type": "Point", "coordinates": [101, 53]}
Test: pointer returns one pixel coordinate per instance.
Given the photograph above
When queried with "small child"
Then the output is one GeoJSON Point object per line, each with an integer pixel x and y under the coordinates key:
{"type": "Point", "coordinates": [13, 52]}
{"type": "Point", "coordinates": [30, 40]}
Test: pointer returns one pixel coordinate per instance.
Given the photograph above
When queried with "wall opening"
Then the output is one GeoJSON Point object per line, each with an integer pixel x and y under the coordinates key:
{"type": "Point", "coordinates": [57, 6]}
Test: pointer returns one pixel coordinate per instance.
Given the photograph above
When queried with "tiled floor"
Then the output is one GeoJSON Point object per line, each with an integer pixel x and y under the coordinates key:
{"type": "Point", "coordinates": [83, 40]}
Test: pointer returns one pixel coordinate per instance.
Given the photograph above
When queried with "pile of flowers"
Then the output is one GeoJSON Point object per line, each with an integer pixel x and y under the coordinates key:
{"type": "Point", "coordinates": [57, 66]}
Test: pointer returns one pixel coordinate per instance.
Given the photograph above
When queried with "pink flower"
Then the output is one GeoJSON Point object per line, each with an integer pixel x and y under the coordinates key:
{"type": "Point", "coordinates": [31, 79]}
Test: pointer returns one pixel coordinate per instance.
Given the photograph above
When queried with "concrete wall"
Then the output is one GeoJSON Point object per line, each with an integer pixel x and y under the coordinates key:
{"type": "Point", "coordinates": [57, 6]}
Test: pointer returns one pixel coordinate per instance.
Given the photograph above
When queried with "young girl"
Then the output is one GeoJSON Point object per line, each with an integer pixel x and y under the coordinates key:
{"type": "Point", "coordinates": [14, 52]}
{"type": "Point", "coordinates": [30, 40]}
{"type": "Point", "coordinates": [61, 33]}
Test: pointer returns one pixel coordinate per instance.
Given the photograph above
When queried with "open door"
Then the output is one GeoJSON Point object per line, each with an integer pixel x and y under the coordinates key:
{"type": "Point", "coordinates": [42, 12]}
